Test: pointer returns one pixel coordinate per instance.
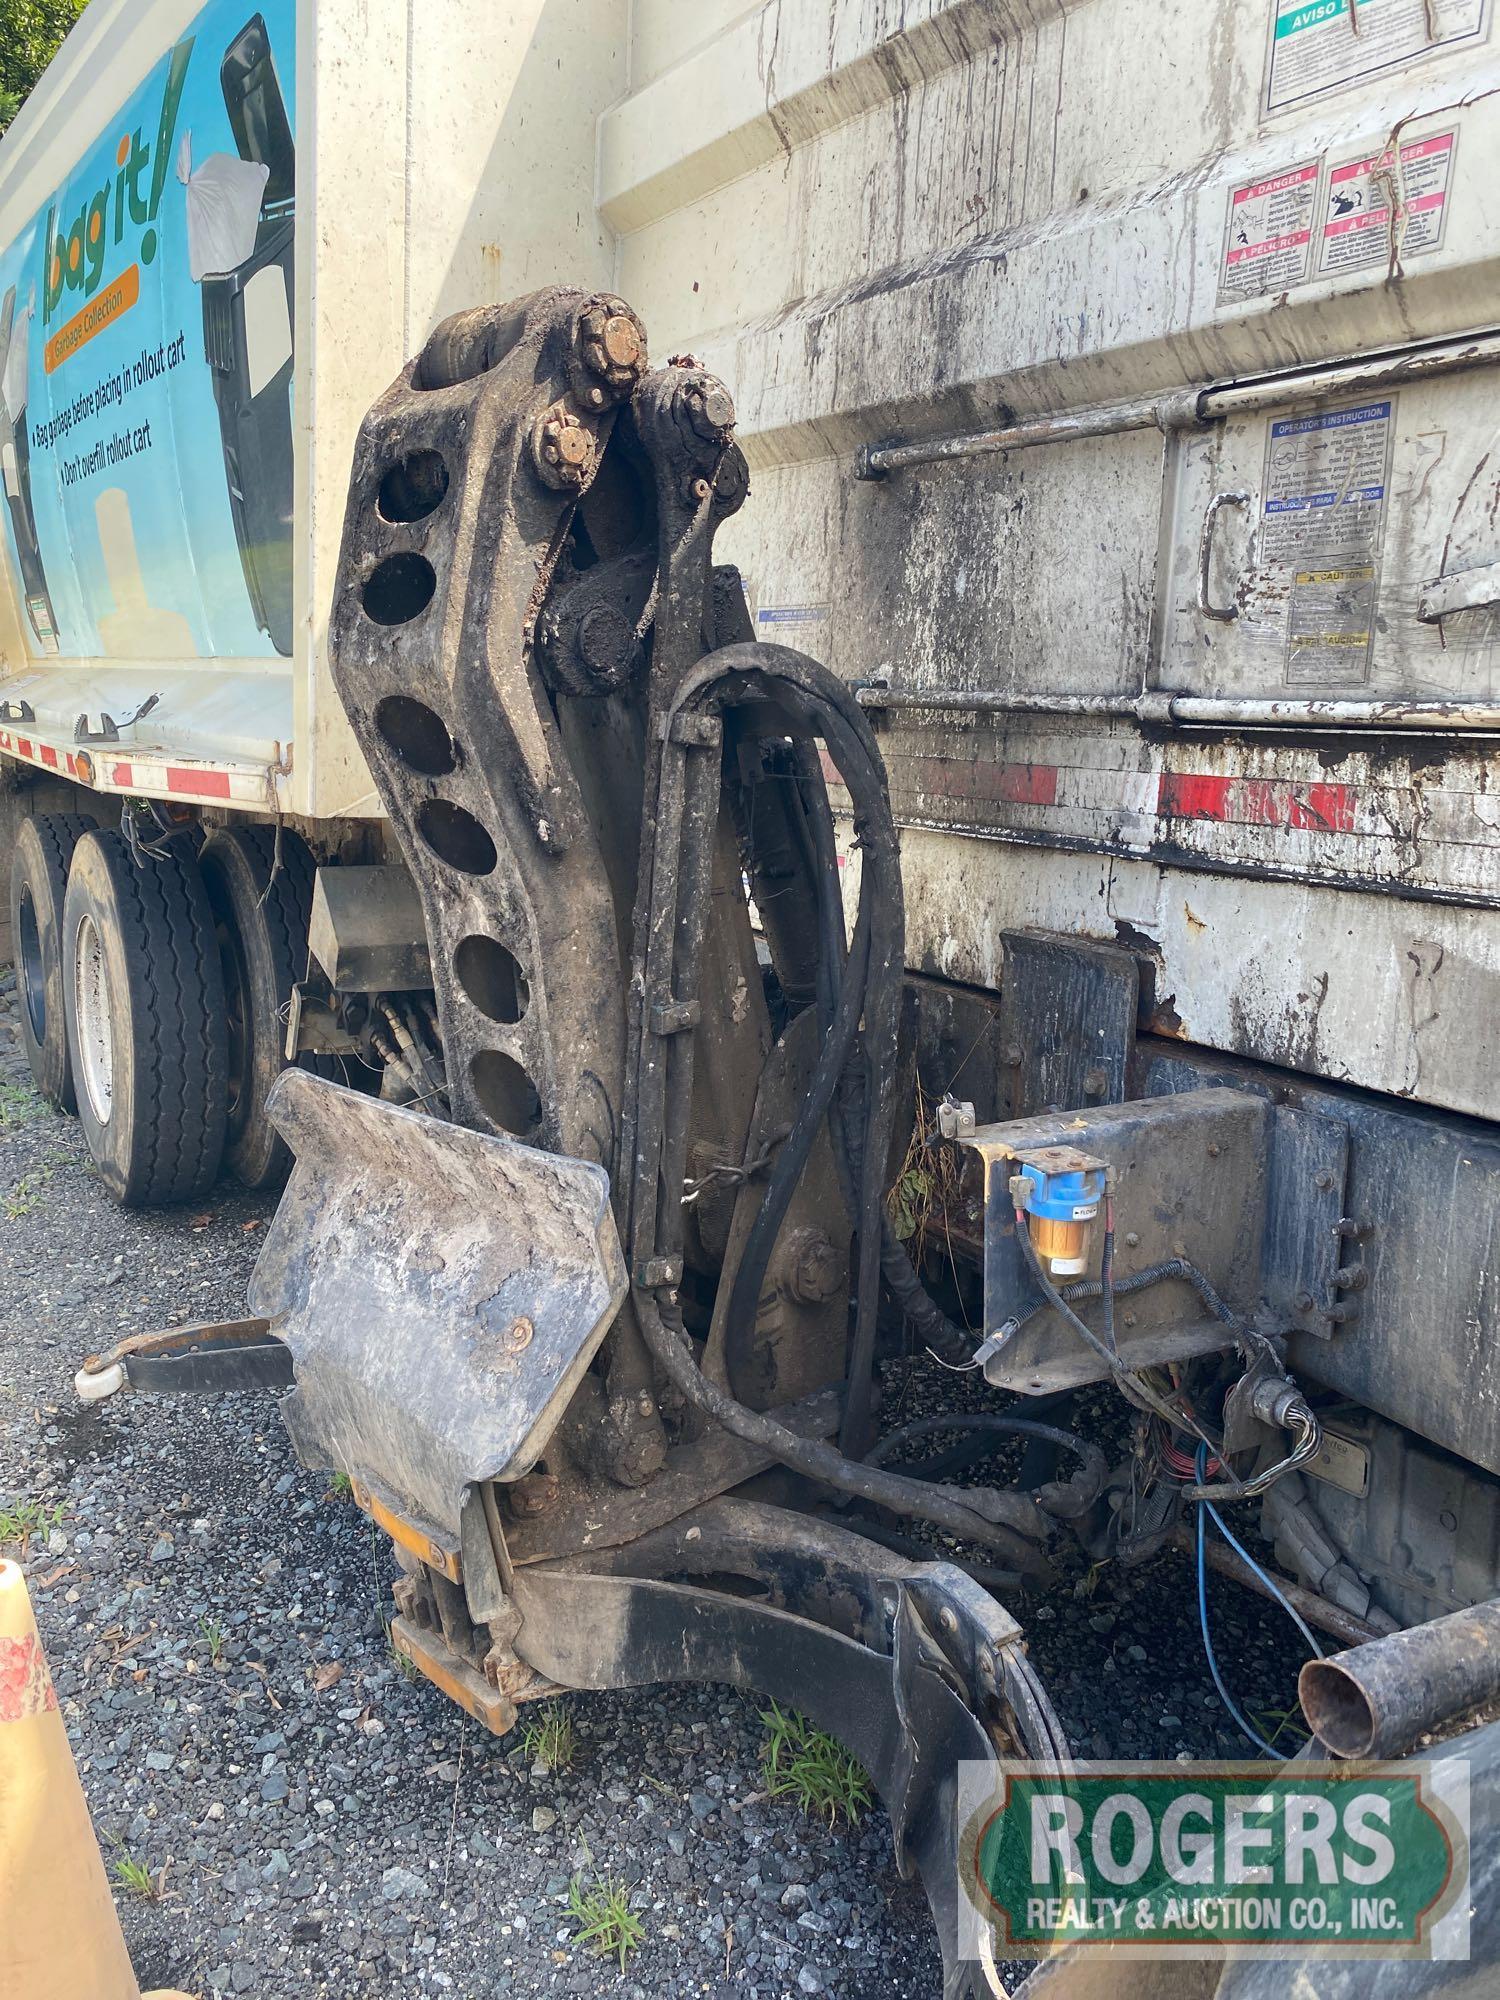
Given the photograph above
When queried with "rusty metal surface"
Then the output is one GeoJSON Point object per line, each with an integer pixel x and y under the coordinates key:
{"type": "Point", "coordinates": [441, 1291]}
{"type": "Point", "coordinates": [1189, 1181]}
{"type": "Point", "coordinates": [1382, 1698]}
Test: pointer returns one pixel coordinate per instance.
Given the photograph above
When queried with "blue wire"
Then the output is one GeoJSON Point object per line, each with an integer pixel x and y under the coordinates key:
{"type": "Point", "coordinates": [1245, 1557]}
{"type": "Point", "coordinates": [1205, 1506]}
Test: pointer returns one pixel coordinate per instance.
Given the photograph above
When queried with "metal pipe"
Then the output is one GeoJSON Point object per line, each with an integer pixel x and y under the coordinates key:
{"type": "Point", "coordinates": [1221, 711]}
{"type": "Point", "coordinates": [1379, 1699]}
{"type": "Point", "coordinates": [1328, 1617]}
{"type": "Point", "coordinates": [1186, 408]}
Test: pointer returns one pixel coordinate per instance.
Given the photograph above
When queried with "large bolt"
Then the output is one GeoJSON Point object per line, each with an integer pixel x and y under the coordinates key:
{"type": "Point", "coordinates": [611, 345]}
{"type": "Point", "coordinates": [536, 1493]}
{"type": "Point", "coordinates": [563, 448]}
{"type": "Point", "coordinates": [710, 408]}
{"type": "Point", "coordinates": [814, 1269]}
{"type": "Point", "coordinates": [606, 644]}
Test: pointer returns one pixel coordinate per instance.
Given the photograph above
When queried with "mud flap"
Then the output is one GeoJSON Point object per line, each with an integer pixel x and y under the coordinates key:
{"type": "Point", "coordinates": [441, 1293]}
{"type": "Point", "coordinates": [911, 1666]}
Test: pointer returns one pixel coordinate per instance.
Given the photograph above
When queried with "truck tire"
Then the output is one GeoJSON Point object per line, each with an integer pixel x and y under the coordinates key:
{"type": "Point", "coordinates": [261, 924]}
{"type": "Point", "coordinates": [38, 883]}
{"type": "Point", "coordinates": [145, 1009]}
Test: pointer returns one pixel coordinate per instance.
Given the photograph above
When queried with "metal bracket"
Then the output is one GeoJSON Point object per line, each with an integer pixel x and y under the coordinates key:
{"type": "Point", "coordinates": [1189, 1180]}
{"type": "Point", "coordinates": [1067, 1021]}
{"type": "Point", "coordinates": [203, 1359]}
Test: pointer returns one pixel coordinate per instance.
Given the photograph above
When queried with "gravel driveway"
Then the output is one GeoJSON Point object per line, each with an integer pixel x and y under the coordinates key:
{"type": "Point", "coordinates": [322, 1825]}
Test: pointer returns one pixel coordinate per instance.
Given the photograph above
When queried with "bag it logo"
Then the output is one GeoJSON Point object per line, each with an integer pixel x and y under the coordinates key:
{"type": "Point", "coordinates": [74, 258]}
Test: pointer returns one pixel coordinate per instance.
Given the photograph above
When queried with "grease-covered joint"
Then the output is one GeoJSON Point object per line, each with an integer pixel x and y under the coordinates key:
{"type": "Point", "coordinates": [731, 483]}
{"type": "Point", "coordinates": [610, 348]}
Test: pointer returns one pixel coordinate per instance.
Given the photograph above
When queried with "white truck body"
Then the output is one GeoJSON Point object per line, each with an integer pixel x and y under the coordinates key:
{"type": "Point", "coordinates": [443, 156]}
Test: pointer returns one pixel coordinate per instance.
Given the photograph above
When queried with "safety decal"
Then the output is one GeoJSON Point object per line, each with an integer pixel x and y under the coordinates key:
{"type": "Point", "coordinates": [1319, 46]}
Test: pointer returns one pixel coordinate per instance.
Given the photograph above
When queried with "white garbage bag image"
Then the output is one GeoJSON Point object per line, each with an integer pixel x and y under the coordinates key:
{"type": "Point", "coordinates": [223, 209]}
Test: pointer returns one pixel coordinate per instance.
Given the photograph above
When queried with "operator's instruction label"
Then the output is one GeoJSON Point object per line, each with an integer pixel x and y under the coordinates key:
{"type": "Point", "coordinates": [1268, 239]}
{"type": "Point", "coordinates": [1319, 46]}
{"type": "Point", "coordinates": [1322, 523]}
{"type": "Point", "coordinates": [1367, 189]}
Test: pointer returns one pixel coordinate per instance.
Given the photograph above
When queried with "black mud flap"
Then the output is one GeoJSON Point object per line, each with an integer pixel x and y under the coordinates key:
{"type": "Point", "coordinates": [911, 1666]}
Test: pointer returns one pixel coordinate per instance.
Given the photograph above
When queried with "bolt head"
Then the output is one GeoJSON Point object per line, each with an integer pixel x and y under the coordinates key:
{"type": "Point", "coordinates": [621, 341]}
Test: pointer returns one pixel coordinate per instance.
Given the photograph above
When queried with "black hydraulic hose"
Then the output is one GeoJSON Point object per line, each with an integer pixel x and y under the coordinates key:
{"type": "Point", "coordinates": [991, 1420]}
{"type": "Point", "coordinates": [1014, 1531]}
{"type": "Point", "coordinates": [1066, 1499]}
{"type": "Point", "coordinates": [933, 1326]}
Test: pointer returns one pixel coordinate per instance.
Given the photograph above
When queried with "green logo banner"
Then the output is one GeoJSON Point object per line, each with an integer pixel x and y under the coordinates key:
{"type": "Point", "coordinates": [1297, 1860]}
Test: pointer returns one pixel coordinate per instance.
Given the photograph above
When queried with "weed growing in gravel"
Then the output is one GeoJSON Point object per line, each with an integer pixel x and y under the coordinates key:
{"type": "Point", "coordinates": [1275, 1722]}
{"type": "Point", "coordinates": [20, 1104]}
{"type": "Point", "coordinates": [339, 1487]}
{"type": "Point", "coordinates": [27, 1518]}
{"type": "Point", "coordinates": [800, 1762]}
{"type": "Point", "coordinates": [26, 1193]}
{"type": "Point", "coordinates": [213, 1637]}
{"type": "Point", "coordinates": [135, 1876]}
{"type": "Point", "coordinates": [550, 1738]}
{"type": "Point", "coordinates": [405, 1667]}
{"type": "Point", "coordinates": [606, 1922]}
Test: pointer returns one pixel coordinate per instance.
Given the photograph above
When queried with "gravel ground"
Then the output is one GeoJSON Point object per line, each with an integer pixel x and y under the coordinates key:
{"type": "Point", "coordinates": [326, 1826]}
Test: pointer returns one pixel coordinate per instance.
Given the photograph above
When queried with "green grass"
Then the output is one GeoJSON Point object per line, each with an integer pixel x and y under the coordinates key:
{"type": "Point", "coordinates": [213, 1637]}
{"type": "Point", "coordinates": [135, 1876]}
{"type": "Point", "coordinates": [1276, 1722]}
{"type": "Point", "coordinates": [550, 1739]}
{"type": "Point", "coordinates": [405, 1667]}
{"type": "Point", "coordinates": [27, 1518]}
{"type": "Point", "coordinates": [20, 1104]}
{"type": "Point", "coordinates": [26, 1193]}
{"type": "Point", "coordinates": [339, 1487]}
{"type": "Point", "coordinates": [606, 1923]}
{"type": "Point", "coordinates": [801, 1763]}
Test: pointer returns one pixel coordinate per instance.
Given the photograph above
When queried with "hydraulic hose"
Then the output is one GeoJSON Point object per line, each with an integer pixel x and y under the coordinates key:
{"type": "Point", "coordinates": [1016, 1526]}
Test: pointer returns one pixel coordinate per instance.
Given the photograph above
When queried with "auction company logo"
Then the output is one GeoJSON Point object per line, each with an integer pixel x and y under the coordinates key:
{"type": "Point", "coordinates": [1300, 1860]}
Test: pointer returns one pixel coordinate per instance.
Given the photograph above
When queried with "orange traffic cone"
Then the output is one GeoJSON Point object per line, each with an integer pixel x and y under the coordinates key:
{"type": "Point", "coordinates": [59, 1936]}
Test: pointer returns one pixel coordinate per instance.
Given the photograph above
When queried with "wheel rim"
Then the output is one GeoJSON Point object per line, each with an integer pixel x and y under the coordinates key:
{"type": "Point", "coordinates": [94, 1057]}
{"type": "Point", "coordinates": [33, 973]}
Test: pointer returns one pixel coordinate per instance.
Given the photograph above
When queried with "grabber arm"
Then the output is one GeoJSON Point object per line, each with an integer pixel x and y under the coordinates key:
{"type": "Point", "coordinates": [911, 1666]}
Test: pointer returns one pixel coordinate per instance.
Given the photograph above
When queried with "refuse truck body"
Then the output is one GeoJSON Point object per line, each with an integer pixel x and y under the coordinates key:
{"type": "Point", "coordinates": [1116, 392]}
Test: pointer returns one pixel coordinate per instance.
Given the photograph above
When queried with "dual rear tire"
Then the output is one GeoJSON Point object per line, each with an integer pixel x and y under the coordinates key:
{"type": "Point", "coordinates": [153, 995]}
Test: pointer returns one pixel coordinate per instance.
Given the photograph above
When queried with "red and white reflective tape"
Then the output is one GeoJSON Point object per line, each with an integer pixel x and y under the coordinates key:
{"type": "Point", "coordinates": [1226, 798]}
{"type": "Point", "coordinates": [148, 776]}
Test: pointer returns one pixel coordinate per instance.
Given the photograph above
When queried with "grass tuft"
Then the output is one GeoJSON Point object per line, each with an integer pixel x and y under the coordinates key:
{"type": "Point", "coordinates": [213, 1637]}
{"type": "Point", "coordinates": [606, 1922]}
{"type": "Point", "coordinates": [550, 1739]}
{"type": "Point", "coordinates": [135, 1877]}
{"type": "Point", "coordinates": [339, 1487]}
{"type": "Point", "coordinates": [27, 1518]}
{"type": "Point", "coordinates": [801, 1763]}
{"type": "Point", "coordinates": [20, 1104]}
{"type": "Point", "coordinates": [26, 1193]}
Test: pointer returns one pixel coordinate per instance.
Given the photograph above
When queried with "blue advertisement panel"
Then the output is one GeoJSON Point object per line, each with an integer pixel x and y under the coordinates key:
{"type": "Point", "coordinates": [146, 363]}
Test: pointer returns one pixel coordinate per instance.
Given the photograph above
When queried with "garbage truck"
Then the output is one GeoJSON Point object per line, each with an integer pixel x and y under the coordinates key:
{"type": "Point", "coordinates": [874, 722]}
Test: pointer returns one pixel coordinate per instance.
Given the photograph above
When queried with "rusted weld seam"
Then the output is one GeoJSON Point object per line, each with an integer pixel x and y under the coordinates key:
{"type": "Point", "coordinates": [1187, 408]}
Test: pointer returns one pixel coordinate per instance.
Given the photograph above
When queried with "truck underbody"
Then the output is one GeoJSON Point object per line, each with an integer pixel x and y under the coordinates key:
{"type": "Point", "coordinates": [586, 1290]}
